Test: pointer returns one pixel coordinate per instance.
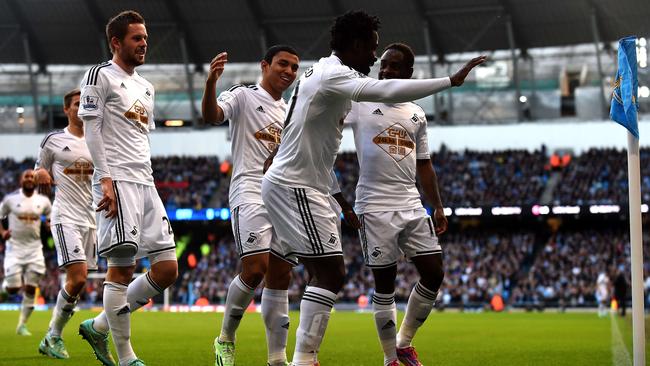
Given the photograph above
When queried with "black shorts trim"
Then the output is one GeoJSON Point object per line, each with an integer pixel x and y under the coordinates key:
{"type": "Point", "coordinates": [426, 252]}
{"type": "Point", "coordinates": [380, 266]}
{"type": "Point", "coordinates": [315, 255]}
{"type": "Point", "coordinates": [280, 256]}
{"type": "Point", "coordinates": [161, 250]}
{"type": "Point", "coordinates": [253, 252]}
{"type": "Point", "coordinates": [117, 245]}
{"type": "Point", "coordinates": [72, 261]}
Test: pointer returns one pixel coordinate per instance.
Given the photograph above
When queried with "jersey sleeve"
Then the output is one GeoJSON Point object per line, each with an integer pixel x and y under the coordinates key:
{"type": "Point", "coordinates": [4, 209]}
{"type": "Point", "coordinates": [47, 208]}
{"type": "Point", "coordinates": [231, 102]}
{"type": "Point", "coordinates": [93, 94]}
{"type": "Point", "coordinates": [152, 120]}
{"type": "Point", "coordinates": [345, 82]}
{"type": "Point", "coordinates": [45, 156]}
{"type": "Point", "coordinates": [422, 140]}
{"type": "Point", "coordinates": [334, 184]}
{"type": "Point", "coordinates": [351, 119]}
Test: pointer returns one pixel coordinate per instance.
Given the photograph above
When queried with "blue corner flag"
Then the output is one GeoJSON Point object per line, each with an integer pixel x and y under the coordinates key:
{"type": "Point", "coordinates": [626, 87]}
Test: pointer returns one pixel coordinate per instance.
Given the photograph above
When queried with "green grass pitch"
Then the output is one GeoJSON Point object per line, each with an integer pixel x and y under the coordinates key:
{"type": "Point", "coordinates": [445, 339]}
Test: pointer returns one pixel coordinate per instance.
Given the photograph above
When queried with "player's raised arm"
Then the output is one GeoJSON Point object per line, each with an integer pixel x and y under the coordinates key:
{"type": "Point", "coordinates": [405, 90]}
{"type": "Point", "coordinates": [210, 109]}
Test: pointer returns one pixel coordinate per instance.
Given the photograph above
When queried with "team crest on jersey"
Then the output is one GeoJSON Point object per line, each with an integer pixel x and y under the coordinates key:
{"type": "Point", "coordinates": [137, 113]}
{"type": "Point", "coordinates": [80, 170]}
{"type": "Point", "coordinates": [395, 141]}
{"type": "Point", "coordinates": [90, 103]}
{"type": "Point", "coordinates": [269, 136]}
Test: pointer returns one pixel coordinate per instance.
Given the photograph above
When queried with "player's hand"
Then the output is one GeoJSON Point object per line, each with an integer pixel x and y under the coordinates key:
{"type": "Point", "coordinates": [458, 78]}
{"type": "Point", "coordinates": [351, 218]}
{"type": "Point", "coordinates": [6, 235]}
{"type": "Point", "coordinates": [43, 181]}
{"type": "Point", "coordinates": [440, 221]}
{"type": "Point", "coordinates": [108, 202]}
{"type": "Point", "coordinates": [217, 66]}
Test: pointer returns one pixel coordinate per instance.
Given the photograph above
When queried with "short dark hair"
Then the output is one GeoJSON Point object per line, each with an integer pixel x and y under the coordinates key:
{"type": "Point", "coordinates": [67, 98]}
{"type": "Point", "coordinates": [274, 50]}
{"type": "Point", "coordinates": [351, 26]}
{"type": "Point", "coordinates": [409, 56]}
{"type": "Point", "coordinates": [118, 25]}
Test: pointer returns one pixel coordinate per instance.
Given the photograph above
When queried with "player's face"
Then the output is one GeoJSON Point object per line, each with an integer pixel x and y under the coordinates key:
{"type": "Point", "coordinates": [27, 180]}
{"type": "Point", "coordinates": [282, 71]}
{"type": "Point", "coordinates": [133, 47]}
{"type": "Point", "coordinates": [393, 66]}
{"type": "Point", "coordinates": [365, 52]}
{"type": "Point", "coordinates": [72, 110]}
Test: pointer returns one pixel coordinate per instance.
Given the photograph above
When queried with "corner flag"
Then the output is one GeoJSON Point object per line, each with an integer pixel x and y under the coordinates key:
{"type": "Point", "coordinates": [626, 87]}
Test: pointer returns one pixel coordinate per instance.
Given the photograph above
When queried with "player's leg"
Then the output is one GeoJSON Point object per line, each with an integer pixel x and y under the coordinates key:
{"type": "Point", "coordinates": [70, 244]}
{"type": "Point", "coordinates": [326, 280]}
{"type": "Point", "coordinates": [420, 244]}
{"type": "Point", "coordinates": [33, 272]}
{"type": "Point", "coordinates": [52, 344]}
{"type": "Point", "coordinates": [379, 240]}
{"type": "Point", "coordinates": [12, 284]}
{"type": "Point", "coordinates": [275, 309]}
{"type": "Point", "coordinates": [117, 308]}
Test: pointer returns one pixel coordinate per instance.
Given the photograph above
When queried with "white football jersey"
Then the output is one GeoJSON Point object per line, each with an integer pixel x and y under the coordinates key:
{"type": "Point", "coordinates": [24, 214]}
{"type": "Point", "coordinates": [311, 138]}
{"type": "Point", "coordinates": [68, 160]}
{"type": "Point", "coordinates": [389, 138]}
{"type": "Point", "coordinates": [123, 104]}
{"type": "Point", "coordinates": [256, 122]}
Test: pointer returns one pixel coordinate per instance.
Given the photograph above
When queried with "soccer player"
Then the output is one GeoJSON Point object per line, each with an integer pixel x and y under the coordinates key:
{"type": "Point", "coordinates": [602, 293]}
{"type": "Point", "coordinates": [117, 107]}
{"type": "Point", "coordinates": [391, 143]}
{"type": "Point", "coordinates": [256, 115]}
{"type": "Point", "coordinates": [295, 189]}
{"type": "Point", "coordinates": [65, 157]}
{"type": "Point", "coordinates": [24, 262]}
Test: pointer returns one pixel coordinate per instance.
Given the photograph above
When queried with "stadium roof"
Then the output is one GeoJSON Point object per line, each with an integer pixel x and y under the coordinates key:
{"type": "Point", "coordinates": [72, 31]}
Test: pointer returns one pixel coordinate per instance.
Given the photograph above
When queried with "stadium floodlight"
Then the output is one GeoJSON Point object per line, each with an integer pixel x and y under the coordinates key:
{"type": "Point", "coordinates": [604, 209]}
{"type": "Point", "coordinates": [523, 99]}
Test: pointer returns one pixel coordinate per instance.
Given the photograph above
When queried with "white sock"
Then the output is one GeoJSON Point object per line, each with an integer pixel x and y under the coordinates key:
{"type": "Point", "coordinates": [119, 319]}
{"type": "Point", "coordinates": [275, 312]}
{"type": "Point", "coordinates": [385, 312]}
{"type": "Point", "coordinates": [417, 310]}
{"type": "Point", "coordinates": [315, 309]}
{"type": "Point", "coordinates": [237, 300]}
{"type": "Point", "coordinates": [26, 308]}
{"type": "Point", "coordinates": [63, 311]}
{"type": "Point", "coordinates": [138, 294]}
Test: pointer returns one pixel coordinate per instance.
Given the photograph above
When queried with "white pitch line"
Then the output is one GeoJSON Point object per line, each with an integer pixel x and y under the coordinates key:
{"type": "Point", "coordinates": [620, 355]}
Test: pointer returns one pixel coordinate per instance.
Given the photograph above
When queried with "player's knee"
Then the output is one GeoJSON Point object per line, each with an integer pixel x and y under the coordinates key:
{"type": "Point", "coordinates": [331, 278]}
{"type": "Point", "coordinates": [433, 279]}
{"type": "Point", "coordinates": [253, 273]}
{"type": "Point", "coordinates": [76, 284]}
{"type": "Point", "coordinates": [164, 273]}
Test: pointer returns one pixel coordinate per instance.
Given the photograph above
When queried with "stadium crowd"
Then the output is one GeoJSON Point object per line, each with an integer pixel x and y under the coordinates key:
{"type": "Point", "coordinates": [479, 263]}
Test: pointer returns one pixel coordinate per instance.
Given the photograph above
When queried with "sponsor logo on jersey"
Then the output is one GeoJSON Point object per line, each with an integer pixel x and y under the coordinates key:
{"type": "Point", "coordinates": [377, 112]}
{"type": "Point", "coordinates": [122, 86]}
{"type": "Point", "coordinates": [147, 93]}
{"type": "Point", "coordinates": [80, 170]}
{"type": "Point", "coordinates": [90, 103]}
{"type": "Point", "coordinates": [395, 141]}
{"type": "Point", "coordinates": [415, 118]}
{"type": "Point", "coordinates": [333, 239]}
{"type": "Point", "coordinates": [376, 253]}
{"type": "Point", "coordinates": [252, 238]}
{"type": "Point", "coordinates": [66, 149]}
{"type": "Point", "coordinates": [269, 136]}
{"type": "Point", "coordinates": [134, 231]}
{"type": "Point", "coordinates": [260, 109]}
{"type": "Point", "coordinates": [28, 218]}
{"type": "Point", "coordinates": [137, 113]}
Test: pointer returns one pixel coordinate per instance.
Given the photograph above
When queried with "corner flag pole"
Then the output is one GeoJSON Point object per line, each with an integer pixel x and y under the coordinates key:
{"type": "Point", "coordinates": [623, 111]}
{"type": "Point", "coordinates": [636, 252]}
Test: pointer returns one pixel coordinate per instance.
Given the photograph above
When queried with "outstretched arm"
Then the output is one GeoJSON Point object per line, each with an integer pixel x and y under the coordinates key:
{"type": "Point", "coordinates": [403, 90]}
{"type": "Point", "coordinates": [210, 109]}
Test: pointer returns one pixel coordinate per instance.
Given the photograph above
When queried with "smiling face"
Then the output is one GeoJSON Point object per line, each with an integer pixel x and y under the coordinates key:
{"type": "Point", "coordinates": [132, 49]}
{"type": "Point", "coordinates": [27, 181]}
{"type": "Point", "coordinates": [394, 66]}
{"type": "Point", "coordinates": [282, 71]}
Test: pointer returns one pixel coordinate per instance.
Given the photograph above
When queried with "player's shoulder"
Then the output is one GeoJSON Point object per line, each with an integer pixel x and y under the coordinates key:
{"type": "Point", "coordinates": [93, 74]}
{"type": "Point", "coordinates": [42, 197]}
{"type": "Point", "coordinates": [11, 196]}
{"type": "Point", "coordinates": [52, 135]}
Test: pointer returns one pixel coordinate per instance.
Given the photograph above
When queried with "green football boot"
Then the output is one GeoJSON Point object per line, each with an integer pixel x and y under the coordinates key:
{"type": "Point", "coordinates": [23, 331]}
{"type": "Point", "coordinates": [53, 347]}
{"type": "Point", "coordinates": [98, 341]}
{"type": "Point", "coordinates": [224, 352]}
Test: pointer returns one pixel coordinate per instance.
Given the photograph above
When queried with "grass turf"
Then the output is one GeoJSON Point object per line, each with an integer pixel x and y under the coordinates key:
{"type": "Point", "coordinates": [445, 339]}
